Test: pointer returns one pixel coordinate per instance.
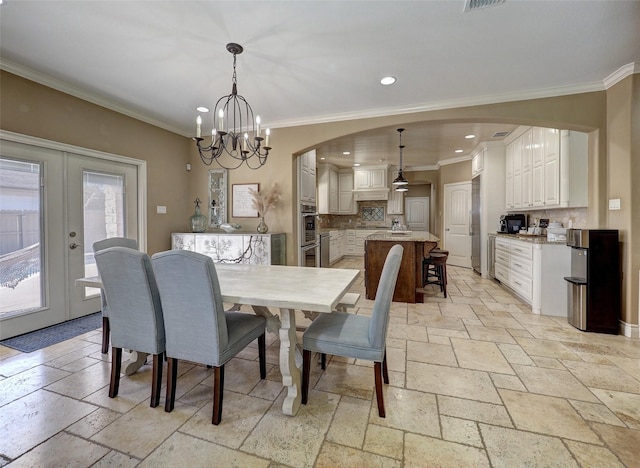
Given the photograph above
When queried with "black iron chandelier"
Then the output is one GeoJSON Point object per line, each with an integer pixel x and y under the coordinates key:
{"type": "Point", "coordinates": [400, 182]}
{"type": "Point", "coordinates": [236, 137]}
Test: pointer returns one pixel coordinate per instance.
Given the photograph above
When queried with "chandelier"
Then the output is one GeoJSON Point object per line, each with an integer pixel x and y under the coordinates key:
{"type": "Point", "coordinates": [400, 182]}
{"type": "Point", "coordinates": [236, 137]}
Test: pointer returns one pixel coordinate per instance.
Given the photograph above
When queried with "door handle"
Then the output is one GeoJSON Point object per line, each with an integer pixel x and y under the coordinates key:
{"type": "Point", "coordinates": [447, 229]}
{"type": "Point", "coordinates": [73, 245]}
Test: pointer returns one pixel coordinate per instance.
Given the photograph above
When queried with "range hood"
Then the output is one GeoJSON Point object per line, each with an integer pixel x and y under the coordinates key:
{"type": "Point", "coordinates": [370, 194]}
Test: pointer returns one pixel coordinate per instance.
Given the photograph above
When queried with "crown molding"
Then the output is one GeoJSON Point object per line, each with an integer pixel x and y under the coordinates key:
{"type": "Point", "coordinates": [443, 105]}
{"type": "Point", "coordinates": [81, 93]}
{"type": "Point", "coordinates": [620, 74]}
{"type": "Point", "coordinates": [108, 103]}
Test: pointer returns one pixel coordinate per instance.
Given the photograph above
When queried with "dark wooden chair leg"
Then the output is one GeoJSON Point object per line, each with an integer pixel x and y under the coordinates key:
{"type": "Point", "coordinates": [263, 356]}
{"type": "Point", "coordinates": [116, 364]}
{"type": "Point", "coordinates": [306, 370]}
{"type": "Point", "coordinates": [218, 388]}
{"type": "Point", "coordinates": [385, 370]}
{"type": "Point", "coordinates": [156, 383]}
{"type": "Point", "coordinates": [323, 361]}
{"type": "Point", "coordinates": [172, 375]}
{"type": "Point", "coordinates": [444, 279]}
{"type": "Point", "coordinates": [105, 335]}
{"type": "Point", "coordinates": [377, 369]}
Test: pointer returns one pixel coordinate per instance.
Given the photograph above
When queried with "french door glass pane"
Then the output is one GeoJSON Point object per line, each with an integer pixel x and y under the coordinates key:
{"type": "Point", "coordinates": [21, 279]}
{"type": "Point", "coordinates": [104, 214]}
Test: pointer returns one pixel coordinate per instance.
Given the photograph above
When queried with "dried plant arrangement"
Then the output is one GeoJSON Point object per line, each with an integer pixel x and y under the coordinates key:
{"type": "Point", "coordinates": [264, 200]}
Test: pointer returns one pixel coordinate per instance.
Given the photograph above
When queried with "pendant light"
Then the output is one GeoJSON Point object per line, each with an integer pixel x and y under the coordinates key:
{"type": "Point", "coordinates": [400, 182]}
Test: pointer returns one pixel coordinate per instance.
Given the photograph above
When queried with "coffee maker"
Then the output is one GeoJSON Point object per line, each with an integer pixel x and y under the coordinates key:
{"type": "Point", "coordinates": [512, 223]}
{"type": "Point", "coordinates": [503, 224]}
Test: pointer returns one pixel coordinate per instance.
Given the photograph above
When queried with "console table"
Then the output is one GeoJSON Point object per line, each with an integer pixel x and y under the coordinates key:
{"type": "Point", "coordinates": [238, 247]}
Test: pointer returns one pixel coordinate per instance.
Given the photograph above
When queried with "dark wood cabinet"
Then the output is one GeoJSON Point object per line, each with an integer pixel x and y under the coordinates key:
{"type": "Point", "coordinates": [409, 283]}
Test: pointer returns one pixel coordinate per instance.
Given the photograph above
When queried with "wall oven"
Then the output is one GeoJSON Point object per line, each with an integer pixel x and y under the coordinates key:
{"type": "Point", "coordinates": [309, 246]}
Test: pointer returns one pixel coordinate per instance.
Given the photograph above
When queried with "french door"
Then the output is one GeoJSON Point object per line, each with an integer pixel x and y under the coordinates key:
{"type": "Point", "coordinates": [55, 204]}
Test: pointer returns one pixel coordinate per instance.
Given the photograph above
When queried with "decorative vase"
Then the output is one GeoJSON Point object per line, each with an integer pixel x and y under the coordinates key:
{"type": "Point", "coordinates": [198, 220]}
{"type": "Point", "coordinates": [262, 227]}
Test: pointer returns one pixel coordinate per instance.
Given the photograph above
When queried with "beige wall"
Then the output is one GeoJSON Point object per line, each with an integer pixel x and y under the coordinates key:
{"type": "Point", "coordinates": [623, 174]}
{"type": "Point", "coordinates": [31, 109]}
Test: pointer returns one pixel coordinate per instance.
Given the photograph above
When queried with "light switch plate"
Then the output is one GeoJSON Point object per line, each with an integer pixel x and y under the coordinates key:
{"type": "Point", "coordinates": [614, 204]}
{"type": "Point", "coordinates": [161, 209]}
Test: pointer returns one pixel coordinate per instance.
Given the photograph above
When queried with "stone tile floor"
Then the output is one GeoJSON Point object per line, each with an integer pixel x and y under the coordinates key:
{"type": "Point", "coordinates": [475, 380]}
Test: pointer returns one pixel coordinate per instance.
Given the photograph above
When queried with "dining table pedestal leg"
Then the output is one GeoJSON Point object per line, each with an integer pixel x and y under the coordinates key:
{"type": "Point", "coordinates": [134, 363]}
{"type": "Point", "coordinates": [290, 362]}
{"type": "Point", "coordinates": [290, 355]}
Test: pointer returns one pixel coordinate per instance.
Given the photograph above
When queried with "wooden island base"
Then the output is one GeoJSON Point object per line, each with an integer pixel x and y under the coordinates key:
{"type": "Point", "coordinates": [409, 287]}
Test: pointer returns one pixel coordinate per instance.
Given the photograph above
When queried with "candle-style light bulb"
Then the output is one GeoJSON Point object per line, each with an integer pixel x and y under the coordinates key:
{"type": "Point", "coordinates": [221, 120]}
{"type": "Point", "coordinates": [268, 132]}
{"type": "Point", "coordinates": [257, 125]}
{"type": "Point", "coordinates": [198, 123]}
{"type": "Point", "coordinates": [246, 138]}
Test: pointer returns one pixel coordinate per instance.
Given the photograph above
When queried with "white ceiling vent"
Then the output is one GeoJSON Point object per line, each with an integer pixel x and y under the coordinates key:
{"type": "Point", "coordinates": [500, 134]}
{"type": "Point", "coordinates": [470, 5]}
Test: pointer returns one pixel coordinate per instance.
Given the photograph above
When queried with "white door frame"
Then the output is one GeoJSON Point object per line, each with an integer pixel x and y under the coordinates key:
{"type": "Point", "coordinates": [58, 294]}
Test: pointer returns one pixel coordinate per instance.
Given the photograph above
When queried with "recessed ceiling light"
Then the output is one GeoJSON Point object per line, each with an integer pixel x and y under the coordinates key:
{"type": "Point", "coordinates": [346, 153]}
{"type": "Point", "coordinates": [202, 109]}
{"type": "Point", "coordinates": [356, 165]}
{"type": "Point", "coordinates": [459, 151]}
{"type": "Point", "coordinates": [470, 136]}
{"type": "Point", "coordinates": [388, 80]}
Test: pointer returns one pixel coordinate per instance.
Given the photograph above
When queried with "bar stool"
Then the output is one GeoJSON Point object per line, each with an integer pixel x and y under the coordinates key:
{"type": "Point", "coordinates": [435, 269]}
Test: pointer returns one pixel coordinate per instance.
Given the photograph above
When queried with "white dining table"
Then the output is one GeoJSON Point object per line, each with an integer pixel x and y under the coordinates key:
{"type": "Point", "coordinates": [286, 288]}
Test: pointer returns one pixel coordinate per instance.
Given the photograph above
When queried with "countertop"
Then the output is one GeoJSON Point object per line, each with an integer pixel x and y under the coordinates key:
{"type": "Point", "coordinates": [398, 236]}
{"type": "Point", "coordinates": [529, 238]}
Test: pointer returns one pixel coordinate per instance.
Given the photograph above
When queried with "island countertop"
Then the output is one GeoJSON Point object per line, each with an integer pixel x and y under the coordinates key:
{"type": "Point", "coordinates": [403, 236]}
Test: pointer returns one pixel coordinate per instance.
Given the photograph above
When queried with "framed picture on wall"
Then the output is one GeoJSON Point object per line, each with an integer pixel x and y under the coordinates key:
{"type": "Point", "coordinates": [242, 201]}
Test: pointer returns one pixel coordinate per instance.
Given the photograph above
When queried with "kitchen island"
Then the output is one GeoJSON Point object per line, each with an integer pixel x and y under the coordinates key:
{"type": "Point", "coordinates": [409, 284]}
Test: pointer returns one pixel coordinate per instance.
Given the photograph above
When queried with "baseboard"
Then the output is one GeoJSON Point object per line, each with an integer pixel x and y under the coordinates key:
{"type": "Point", "coordinates": [629, 330]}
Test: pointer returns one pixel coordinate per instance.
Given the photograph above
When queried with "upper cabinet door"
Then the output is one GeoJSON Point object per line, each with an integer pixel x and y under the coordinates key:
{"type": "Point", "coordinates": [308, 177]}
{"type": "Point", "coordinates": [370, 178]}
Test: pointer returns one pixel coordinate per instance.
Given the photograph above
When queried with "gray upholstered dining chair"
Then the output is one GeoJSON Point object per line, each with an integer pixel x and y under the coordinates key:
{"type": "Point", "coordinates": [101, 245]}
{"type": "Point", "coordinates": [198, 329]}
{"type": "Point", "coordinates": [356, 336]}
{"type": "Point", "coordinates": [135, 311]}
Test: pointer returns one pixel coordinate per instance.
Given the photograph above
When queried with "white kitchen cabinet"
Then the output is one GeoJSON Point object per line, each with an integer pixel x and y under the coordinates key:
{"type": "Point", "coordinates": [346, 204]}
{"type": "Point", "coordinates": [373, 177]}
{"type": "Point", "coordinates": [395, 203]}
{"type": "Point", "coordinates": [350, 242]}
{"type": "Point", "coordinates": [537, 169]}
{"type": "Point", "coordinates": [355, 240]}
{"type": "Point", "coordinates": [535, 272]}
{"type": "Point", "coordinates": [477, 163]}
{"type": "Point", "coordinates": [546, 167]}
{"type": "Point", "coordinates": [551, 160]}
{"type": "Point", "coordinates": [509, 176]}
{"type": "Point", "coordinates": [336, 245]}
{"type": "Point", "coordinates": [327, 177]}
{"type": "Point", "coordinates": [253, 249]}
{"type": "Point", "coordinates": [526, 197]}
{"type": "Point", "coordinates": [307, 181]}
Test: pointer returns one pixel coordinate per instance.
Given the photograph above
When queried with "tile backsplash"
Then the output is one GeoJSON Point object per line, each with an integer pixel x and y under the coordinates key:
{"type": "Point", "coordinates": [569, 217]}
{"type": "Point", "coordinates": [370, 214]}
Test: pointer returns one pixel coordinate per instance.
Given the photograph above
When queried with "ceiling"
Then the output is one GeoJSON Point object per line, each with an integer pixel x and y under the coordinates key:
{"type": "Point", "coordinates": [319, 61]}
